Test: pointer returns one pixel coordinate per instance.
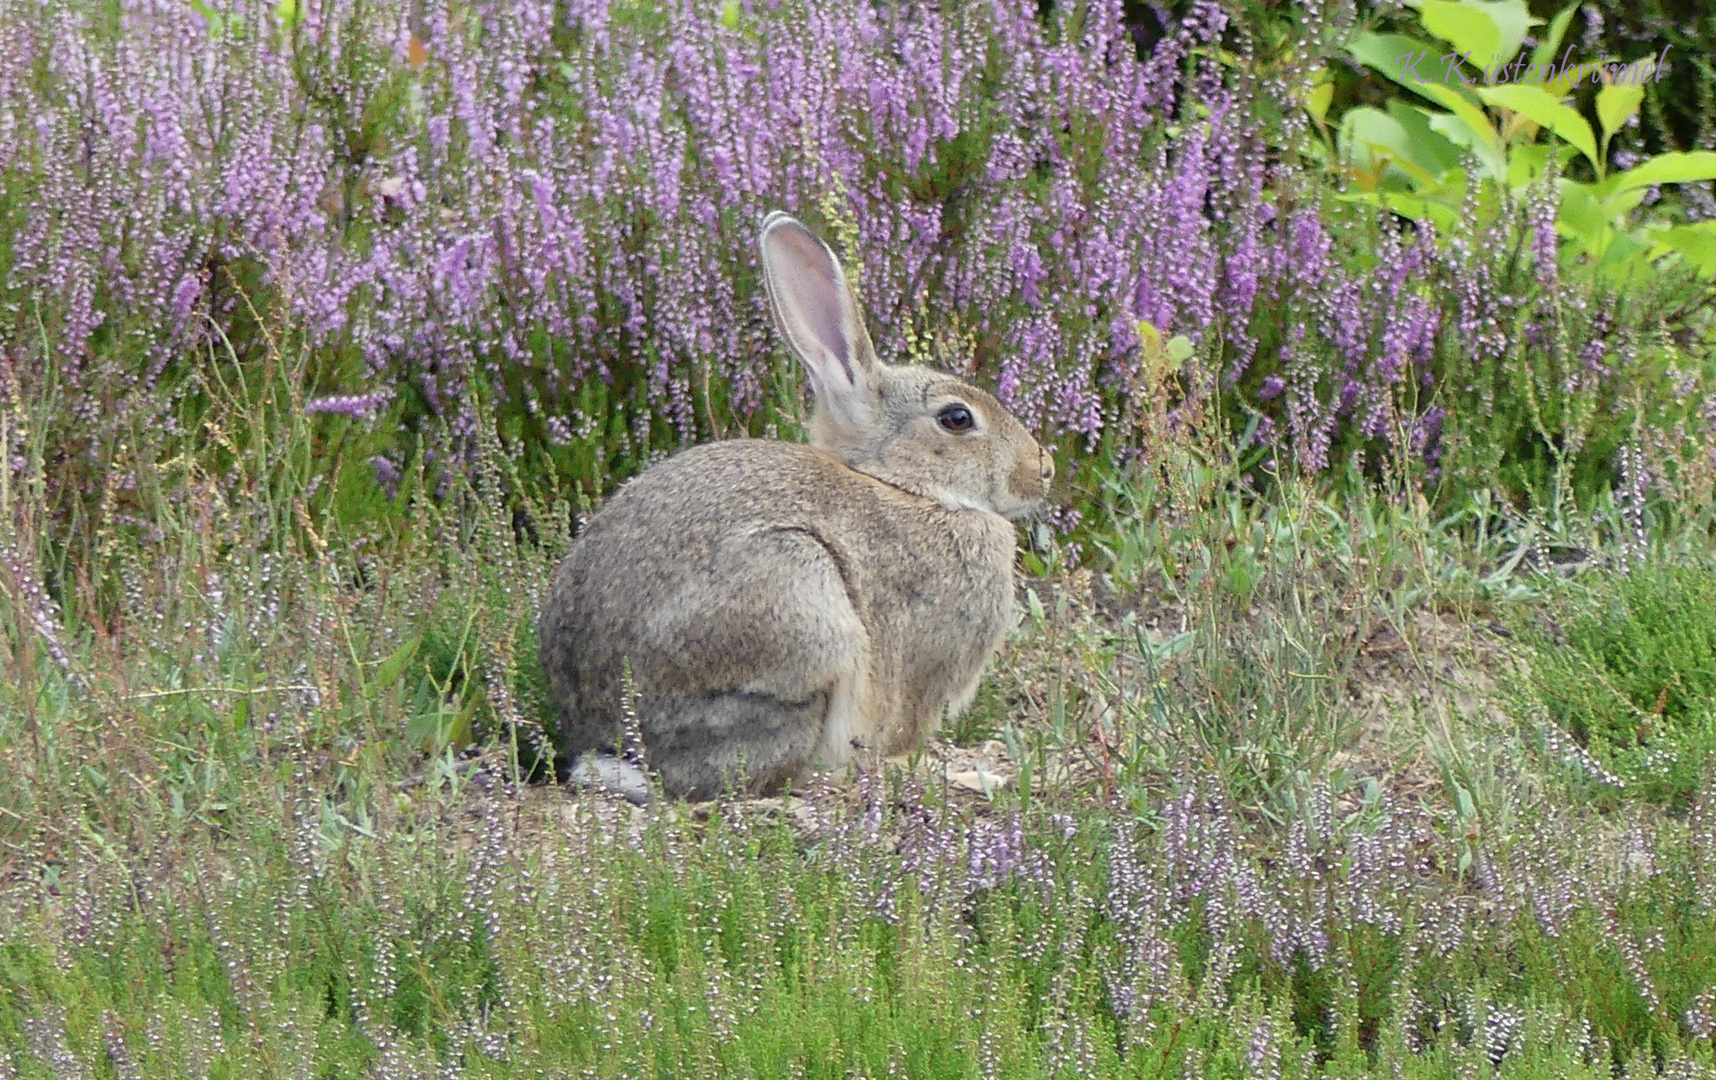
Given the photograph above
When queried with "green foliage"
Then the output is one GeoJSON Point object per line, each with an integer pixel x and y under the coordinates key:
{"type": "Point", "coordinates": [282, 859]}
{"type": "Point", "coordinates": [1630, 672]}
{"type": "Point", "coordinates": [1518, 176]}
{"type": "Point", "coordinates": [1412, 159]}
{"type": "Point", "coordinates": [567, 939]}
{"type": "Point", "coordinates": [1678, 112]}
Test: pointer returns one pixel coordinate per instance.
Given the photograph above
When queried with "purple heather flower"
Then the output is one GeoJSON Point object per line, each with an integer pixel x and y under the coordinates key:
{"type": "Point", "coordinates": [356, 406]}
{"type": "Point", "coordinates": [1021, 195]}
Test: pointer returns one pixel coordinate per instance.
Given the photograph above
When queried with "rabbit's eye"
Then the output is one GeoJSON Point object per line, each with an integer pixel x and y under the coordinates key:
{"type": "Point", "coordinates": [956, 418]}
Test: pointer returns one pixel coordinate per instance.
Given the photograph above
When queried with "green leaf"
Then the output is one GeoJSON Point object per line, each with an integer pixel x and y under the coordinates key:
{"type": "Point", "coordinates": [394, 666]}
{"type": "Point", "coordinates": [1513, 18]}
{"type": "Point", "coordinates": [1526, 162]}
{"type": "Point", "coordinates": [1373, 140]}
{"type": "Point", "coordinates": [1443, 208]}
{"type": "Point", "coordinates": [1486, 33]}
{"type": "Point", "coordinates": [1463, 803]}
{"type": "Point", "coordinates": [1581, 216]}
{"type": "Point", "coordinates": [1675, 167]}
{"type": "Point", "coordinates": [1406, 139]}
{"type": "Point", "coordinates": [1469, 29]}
{"type": "Point", "coordinates": [1420, 72]}
{"type": "Point", "coordinates": [1365, 198]}
{"type": "Point", "coordinates": [1625, 261]}
{"type": "Point", "coordinates": [1544, 54]}
{"type": "Point", "coordinates": [1458, 130]}
{"type": "Point", "coordinates": [1162, 652]}
{"type": "Point", "coordinates": [1438, 211]}
{"type": "Point", "coordinates": [1696, 243]}
{"type": "Point", "coordinates": [1149, 337]}
{"type": "Point", "coordinates": [1615, 103]}
{"type": "Point", "coordinates": [441, 725]}
{"type": "Point", "coordinates": [215, 21]}
{"type": "Point", "coordinates": [1408, 61]}
{"type": "Point", "coordinates": [1430, 148]}
{"type": "Point", "coordinates": [1317, 101]}
{"type": "Point", "coordinates": [1535, 104]}
{"type": "Point", "coordinates": [1622, 203]}
{"type": "Point", "coordinates": [1035, 604]}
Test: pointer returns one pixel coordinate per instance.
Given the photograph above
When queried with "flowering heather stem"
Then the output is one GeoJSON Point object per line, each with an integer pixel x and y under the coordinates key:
{"type": "Point", "coordinates": [561, 199]}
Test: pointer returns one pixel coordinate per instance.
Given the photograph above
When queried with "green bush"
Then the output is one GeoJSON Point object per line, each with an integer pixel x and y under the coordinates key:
{"type": "Point", "coordinates": [1631, 674]}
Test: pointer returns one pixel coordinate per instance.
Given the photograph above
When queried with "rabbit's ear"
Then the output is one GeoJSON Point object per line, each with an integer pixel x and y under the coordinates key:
{"type": "Point", "coordinates": [814, 310]}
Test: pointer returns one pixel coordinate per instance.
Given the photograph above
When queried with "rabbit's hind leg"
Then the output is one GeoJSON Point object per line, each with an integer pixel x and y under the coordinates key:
{"type": "Point", "coordinates": [771, 661]}
{"type": "Point", "coordinates": [739, 739]}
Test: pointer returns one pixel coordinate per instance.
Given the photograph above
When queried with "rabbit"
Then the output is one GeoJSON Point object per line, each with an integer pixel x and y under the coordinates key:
{"type": "Point", "coordinates": [785, 607]}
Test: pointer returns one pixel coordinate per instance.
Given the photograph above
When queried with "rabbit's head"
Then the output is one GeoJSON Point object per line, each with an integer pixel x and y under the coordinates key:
{"type": "Point", "coordinates": [915, 428]}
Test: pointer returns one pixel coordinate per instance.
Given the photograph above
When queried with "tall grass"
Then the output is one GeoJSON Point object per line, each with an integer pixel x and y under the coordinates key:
{"type": "Point", "coordinates": [240, 833]}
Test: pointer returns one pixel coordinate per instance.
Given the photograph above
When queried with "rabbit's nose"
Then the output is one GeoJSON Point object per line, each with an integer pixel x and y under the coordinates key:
{"type": "Point", "coordinates": [1046, 464]}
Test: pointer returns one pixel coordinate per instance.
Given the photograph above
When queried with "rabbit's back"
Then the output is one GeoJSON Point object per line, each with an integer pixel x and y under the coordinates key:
{"type": "Point", "coordinates": [766, 586]}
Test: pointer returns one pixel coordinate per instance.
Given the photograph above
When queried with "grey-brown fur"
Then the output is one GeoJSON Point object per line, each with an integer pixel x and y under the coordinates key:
{"type": "Point", "coordinates": [784, 606]}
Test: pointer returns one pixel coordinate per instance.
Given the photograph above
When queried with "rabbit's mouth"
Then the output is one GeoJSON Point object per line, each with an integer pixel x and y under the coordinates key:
{"type": "Point", "coordinates": [1009, 507]}
{"type": "Point", "coordinates": [1019, 509]}
{"type": "Point", "coordinates": [1014, 506]}
{"type": "Point", "coordinates": [1028, 485]}
{"type": "Point", "coordinates": [954, 499]}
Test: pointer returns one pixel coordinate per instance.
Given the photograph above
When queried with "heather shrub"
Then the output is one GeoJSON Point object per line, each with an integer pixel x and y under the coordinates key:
{"type": "Point", "coordinates": [1630, 672]}
{"type": "Point", "coordinates": [1501, 149]}
{"type": "Point", "coordinates": [889, 933]}
{"type": "Point", "coordinates": [553, 207]}
{"type": "Point", "coordinates": [222, 853]}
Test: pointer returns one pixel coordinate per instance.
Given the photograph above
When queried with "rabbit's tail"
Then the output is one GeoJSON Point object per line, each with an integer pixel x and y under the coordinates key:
{"type": "Point", "coordinates": [615, 775]}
